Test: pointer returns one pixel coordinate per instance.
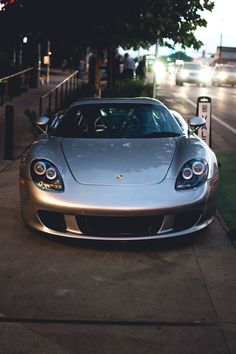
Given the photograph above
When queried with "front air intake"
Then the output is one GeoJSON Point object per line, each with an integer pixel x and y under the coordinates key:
{"type": "Point", "coordinates": [52, 220]}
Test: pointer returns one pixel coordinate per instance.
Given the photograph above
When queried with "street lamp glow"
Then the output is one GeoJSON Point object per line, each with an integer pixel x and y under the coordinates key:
{"type": "Point", "coordinates": [159, 70]}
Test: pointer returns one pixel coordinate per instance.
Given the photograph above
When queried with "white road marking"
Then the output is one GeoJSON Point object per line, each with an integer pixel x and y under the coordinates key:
{"type": "Point", "coordinates": [220, 121]}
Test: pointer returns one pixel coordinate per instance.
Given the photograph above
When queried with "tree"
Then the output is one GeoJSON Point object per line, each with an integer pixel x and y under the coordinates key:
{"type": "Point", "coordinates": [137, 23]}
{"type": "Point", "coordinates": [179, 56]}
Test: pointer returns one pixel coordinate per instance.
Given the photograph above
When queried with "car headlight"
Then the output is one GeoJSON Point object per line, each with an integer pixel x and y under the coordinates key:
{"type": "Point", "coordinates": [46, 176]}
{"type": "Point", "coordinates": [184, 74]}
{"type": "Point", "coordinates": [204, 75]}
{"type": "Point", "coordinates": [222, 76]}
{"type": "Point", "coordinates": [192, 175]}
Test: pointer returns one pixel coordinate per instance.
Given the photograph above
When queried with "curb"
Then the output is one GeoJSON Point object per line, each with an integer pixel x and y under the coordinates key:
{"type": "Point", "coordinates": [222, 222]}
{"type": "Point", "coordinates": [230, 233]}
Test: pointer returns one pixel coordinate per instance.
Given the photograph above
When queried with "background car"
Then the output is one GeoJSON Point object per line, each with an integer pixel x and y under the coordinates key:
{"type": "Point", "coordinates": [224, 75]}
{"type": "Point", "coordinates": [118, 169]}
{"type": "Point", "coordinates": [192, 73]}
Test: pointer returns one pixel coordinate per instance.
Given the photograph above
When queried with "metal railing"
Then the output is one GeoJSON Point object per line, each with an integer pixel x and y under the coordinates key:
{"type": "Point", "coordinates": [60, 96]}
{"type": "Point", "coordinates": [13, 85]}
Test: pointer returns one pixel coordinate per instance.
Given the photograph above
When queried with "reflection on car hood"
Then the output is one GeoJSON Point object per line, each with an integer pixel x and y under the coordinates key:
{"type": "Point", "coordinates": [119, 161]}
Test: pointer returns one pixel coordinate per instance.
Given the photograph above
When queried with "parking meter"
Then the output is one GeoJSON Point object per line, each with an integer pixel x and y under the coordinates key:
{"type": "Point", "coordinates": [204, 110]}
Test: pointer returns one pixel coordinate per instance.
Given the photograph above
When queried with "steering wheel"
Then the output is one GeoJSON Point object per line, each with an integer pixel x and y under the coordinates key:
{"type": "Point", "coordinates": [132, 125]}
{"type": "Point", "coordinates": [100, 125]}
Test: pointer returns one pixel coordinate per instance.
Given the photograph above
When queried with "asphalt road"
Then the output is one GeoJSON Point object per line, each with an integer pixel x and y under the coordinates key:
{"type": "Point", "coordinates": [184, 99]}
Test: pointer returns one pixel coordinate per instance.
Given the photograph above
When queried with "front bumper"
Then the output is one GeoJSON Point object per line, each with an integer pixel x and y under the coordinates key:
{"type": "Point", "coordinates": [227, 81]}
{"type": "Point", "coordinates": [194, 80]}
{"type": "Point", "coordinates": [119, 212]}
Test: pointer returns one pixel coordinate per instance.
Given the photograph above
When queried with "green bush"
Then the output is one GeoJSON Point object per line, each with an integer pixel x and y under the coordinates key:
{"type": "Point", "coordinates": [129, 88]}
{"type": "Point", "coordinates": [227, 190]}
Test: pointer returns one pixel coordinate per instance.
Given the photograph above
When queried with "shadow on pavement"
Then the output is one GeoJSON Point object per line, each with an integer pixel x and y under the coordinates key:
{"type": "Point", "coordinates": [125, 246]}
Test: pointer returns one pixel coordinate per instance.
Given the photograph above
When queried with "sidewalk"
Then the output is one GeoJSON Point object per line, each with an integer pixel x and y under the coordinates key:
{"type": "Point", "coordinates": [69, 297]}
{"type": "Point", "coordinates": [22, 126]}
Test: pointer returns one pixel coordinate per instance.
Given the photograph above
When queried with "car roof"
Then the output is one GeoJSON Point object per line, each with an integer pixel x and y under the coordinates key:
{"type": "Point", "coordinates": [225, 66]}
{"type": "Point", "coordinates": [134, 100]}
{"type": "Point", "coordinates": [192, 65]}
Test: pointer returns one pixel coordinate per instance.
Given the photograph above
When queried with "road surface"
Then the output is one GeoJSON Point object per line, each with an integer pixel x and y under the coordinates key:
{"type": "Point", "coordinates": [184, 99]}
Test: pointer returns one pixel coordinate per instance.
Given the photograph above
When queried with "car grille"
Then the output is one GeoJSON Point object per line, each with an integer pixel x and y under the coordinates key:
{"type": "Point", "coordinates": [117, 226]}
{"type": "Point", "coordinates": [114, 226]}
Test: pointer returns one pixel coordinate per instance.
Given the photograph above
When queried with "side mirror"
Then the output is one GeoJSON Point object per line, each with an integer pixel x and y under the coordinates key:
{"type": "Point", "coordinates": [42, 123]}
{"type": "Point", "coordinates": [196, 123]}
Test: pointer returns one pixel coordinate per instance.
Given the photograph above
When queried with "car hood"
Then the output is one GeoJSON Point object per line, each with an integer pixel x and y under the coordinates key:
{"type": "Point", "coordinates": [119, 161]}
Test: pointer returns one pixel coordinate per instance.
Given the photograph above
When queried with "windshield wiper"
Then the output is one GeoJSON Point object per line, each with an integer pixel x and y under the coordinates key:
{"type": "Point", "coordinates": [158, 135]}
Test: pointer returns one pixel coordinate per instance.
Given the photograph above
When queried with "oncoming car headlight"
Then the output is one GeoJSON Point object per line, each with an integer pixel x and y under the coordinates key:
{"type": "Point", "coordinates": [222, 76]}
{"type": "Point", "coordinates": [184, 73]}
{"type": "Point", "coordinates": [202, 75]}
{"type": "Point", "coordinates": [46, 176]}
{"type": "Point", "coordinates": [205, 75]}
{"type": "Point", "coordinates": [192, 175]}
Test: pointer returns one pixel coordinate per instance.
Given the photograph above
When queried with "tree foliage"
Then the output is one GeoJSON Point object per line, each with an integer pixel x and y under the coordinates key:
{"type": "Point", "coordinates": [179, 56]}
{"type": "Point", "coordinates": [137, 23]}
{"type": "Point", "coordinates": [126, 23]}
{"type": "Point", "coordinates": [107, 25]}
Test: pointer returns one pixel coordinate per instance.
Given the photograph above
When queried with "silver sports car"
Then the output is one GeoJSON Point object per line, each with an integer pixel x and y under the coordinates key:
{"type": "Point", "coordinates": [118, 169]}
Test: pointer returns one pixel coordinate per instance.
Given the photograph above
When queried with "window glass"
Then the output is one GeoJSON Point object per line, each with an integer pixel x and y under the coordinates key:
{"type": "Point", "coordinates": [117, 121]}
{"type": "Point", "coordinates": [192, 66]}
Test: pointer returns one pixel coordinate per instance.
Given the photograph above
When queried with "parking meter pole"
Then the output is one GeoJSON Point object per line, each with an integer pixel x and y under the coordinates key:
{"type": "Point", "coordinates": [8, 133]}
{"type": "Point", "coordinates": [204, 109]}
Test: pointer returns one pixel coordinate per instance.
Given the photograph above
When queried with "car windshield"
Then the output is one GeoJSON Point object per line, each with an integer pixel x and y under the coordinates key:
{"type": "Point", "coordinates": [229, 69]}
{"type": "Point", "coordinates": [192, 66]}
{"type": "Point", "coordinates": [117, 121]}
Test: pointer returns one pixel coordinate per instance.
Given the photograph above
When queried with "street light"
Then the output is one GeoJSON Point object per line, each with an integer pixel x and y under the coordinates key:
{"type": "Point", "coordinates": [48, 66]}
{"type": "Point", "coordinates": [21, 53]}
{"type": "Point", "coordinates": [221, 32]}
{"type": "Point", "coordinates": [46, 61]}
{"type": "Point", "coordinates": [23, 40]}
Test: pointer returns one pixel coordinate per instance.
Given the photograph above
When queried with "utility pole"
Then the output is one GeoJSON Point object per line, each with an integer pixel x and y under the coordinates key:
{"type": "Point", "coordinates": [21, 54]}
{"type": "Point", "coordinates": [39, 64]}
{"type": "Point", "coordinates": [221, 32]}
{"type": "Point", "coordinates": [154, 72]}
{"type": "Point", "coordinates": [48, 66]}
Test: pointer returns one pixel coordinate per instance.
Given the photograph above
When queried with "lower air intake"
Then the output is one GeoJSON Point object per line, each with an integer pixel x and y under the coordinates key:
{"type": "Point", "coordinates": [115, 226]}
